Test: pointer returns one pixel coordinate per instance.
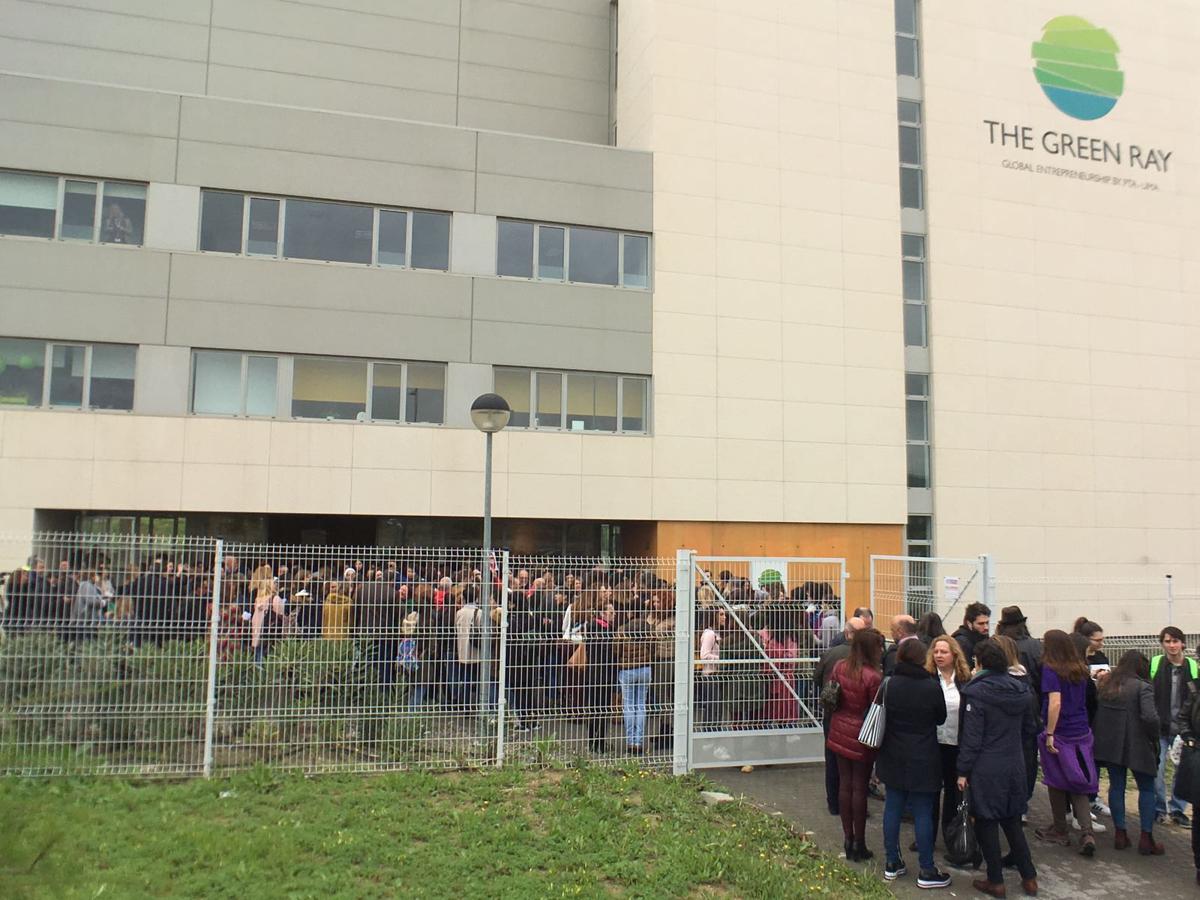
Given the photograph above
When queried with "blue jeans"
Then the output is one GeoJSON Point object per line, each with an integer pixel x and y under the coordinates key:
{"type": "Point", "coordinates": [635, 686]}
{"type": "Point", "coordinates": [921, 805]}
{"type": "Point", "coordinates": [1160, 782]}
{"type": "Point", "coordinates": [1116, 797]}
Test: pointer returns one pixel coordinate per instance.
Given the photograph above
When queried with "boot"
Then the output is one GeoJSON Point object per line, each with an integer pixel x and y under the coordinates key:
{"type": "Point", "coordinates": [1148, 846]}
{"type": "Point", "coordinates": [849, 845]}
{"type": "Point", "coordinates": [1029, 886]}
{"type": "Point", "coordinates": [1120, 839]}
{"type": "Point", "coordinates": [986, 887]}
{"type": "Point", "coordinates": [861, 853]}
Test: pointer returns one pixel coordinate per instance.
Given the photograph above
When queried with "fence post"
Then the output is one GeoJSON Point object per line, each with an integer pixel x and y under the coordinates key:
{"type": "Point", "coordinates": [1170, 600]}
{"type": "Point", "coordinates": [685, 618]}
{"type": "Point", "coordinates": [987, 570]}
{"type": "Point", "coordinates": [213, 622]}
{"type": "Point", "coordinates": [501, 674]}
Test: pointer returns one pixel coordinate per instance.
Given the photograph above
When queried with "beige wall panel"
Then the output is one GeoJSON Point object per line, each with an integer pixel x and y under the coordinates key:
{"type": "Point", "coordinates": [389, 492]}
{"type": "Point", "coordinates": [223, 487]}
{"type": "Point", "coordinates": [609, 497]}
{"type": "Point", "coordinates": [622, 455]}
{"type": "Point", "coordinates": [313, 444]}
{"type": "Point", "coordinates": [120, 484]}
{"type": "Point", "coordinates": [130, 438]}
{"type": "Point", "coordinates": [387, 447]}
{"type": "Point", "coordinates": [227, 441]}
{"type": "Point", "coordinates": [42, 482]}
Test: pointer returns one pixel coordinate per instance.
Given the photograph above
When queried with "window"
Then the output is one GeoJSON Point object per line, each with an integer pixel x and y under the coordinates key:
{"type": "Point", "coordinates": [912, 188]}
{"type": "Point", "coordinates": [916, 389]}
{"type": "Point", "coordinates": [323, 230]}
{"type": "Point", "coordinates": [919, 542]}
{"type": "Point", "coordinates": [221, 221]}
{"type": "Point", "coordinates": [334, 232]}
{"type": "Point", "coordinates": [66, 376]}
{"type": "Point", "coordinates": [234, 384]}
{"type": "Point", "coordinates": [576, 254]}
{"type": "Point", "coordinates": [915, 292]}
{"type": "Point", "coordinates": [123, 219]}
{"type": "Point", "coordinates": [907, 50]}
{"type": "Point", "coordinates": [425, 393]}
{"type": "Point", "coordinates": [28, 204]}
{"type": "Point", "coordinates": [574, 401]}
{"type": "Point", "coordinates": [327, 388]}
{"type": "Point", "coordinates": [72, 209]}
{"type": "Point", "coordinates": [79, 211]}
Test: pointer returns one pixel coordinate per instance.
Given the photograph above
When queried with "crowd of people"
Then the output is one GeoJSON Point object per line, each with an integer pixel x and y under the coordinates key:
{"type": "Point", "coordinates": [969, 718]}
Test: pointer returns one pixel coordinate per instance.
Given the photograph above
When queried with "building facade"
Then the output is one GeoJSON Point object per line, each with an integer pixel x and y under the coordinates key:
{"type": "Point", "coordinates": [829, 278]}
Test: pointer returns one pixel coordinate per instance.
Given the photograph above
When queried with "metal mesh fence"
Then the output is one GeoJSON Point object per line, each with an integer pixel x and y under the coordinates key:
{"type": "Point", "coordinates": [918, 587]}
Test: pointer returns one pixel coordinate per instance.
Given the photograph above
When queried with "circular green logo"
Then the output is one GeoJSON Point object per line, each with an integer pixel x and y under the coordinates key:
{"type": "Point", "coordinates": [1076, 65]}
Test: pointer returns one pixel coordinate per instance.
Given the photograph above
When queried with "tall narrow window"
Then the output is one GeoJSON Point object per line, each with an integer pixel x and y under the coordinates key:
{"type": "Point", "coordinates": [633, 404]}
{"type": "Point", "coordinates": [221, 221]}
{"type": "Point", "coordinates": [593, 256]}
{"type": "Point", "coordinates": [425, 393]}
{"type": "Point", "coordinates": [22, 372]}
{"type": "Point", "coordinates": [551, 253]}
{"type": "Point", "coordinates": [79, 211]}
{"type": "Point", "coordinates": [431, 241]}
{"type": "Point", "coordinates": [636, 266]}
{"type": "Point", "coordinates": [387, 383]}
{"type": "Point", "coordinates": [513, 386]}
{"type": "Point", "coordinates": [110, 380]}
{"type": "Point", "coordinates": [514, 253]}
{"type": "Point", "coordinates": [549, 400]}
{"type": "Point", "coordinates": [261, 386]}
{"type": "Point", "coordinates": [123, 216]}
{"type": "Point", "coordinates": [216, 383]}
{"type": "Point", "coordinates": [393, 238]}
{"type": "Point", "coordinates": [263, 228]}
{"type": "Point", "coordinates": [67, 368]}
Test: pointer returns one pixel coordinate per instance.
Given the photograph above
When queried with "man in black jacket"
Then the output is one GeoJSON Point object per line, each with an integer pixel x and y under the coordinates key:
{"type": "Point", "coordinates": [1170, 672]}
{"type": "Point", "coordinates": [973, 630]}
{"type": "Point", "coordinates": [904, 628]}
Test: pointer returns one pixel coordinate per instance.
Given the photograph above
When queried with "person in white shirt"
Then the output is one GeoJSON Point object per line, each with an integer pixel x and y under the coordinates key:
{"type": "Point", "coordinates": [947, 662]}
{"type": "Point", "coordinates": [708, 685]}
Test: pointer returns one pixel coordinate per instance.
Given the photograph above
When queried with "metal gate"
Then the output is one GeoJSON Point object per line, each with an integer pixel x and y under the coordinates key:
{"type": "Point", "coordinates": [750, 698]}
{"type": "Point", "coordinates": [916, 586]}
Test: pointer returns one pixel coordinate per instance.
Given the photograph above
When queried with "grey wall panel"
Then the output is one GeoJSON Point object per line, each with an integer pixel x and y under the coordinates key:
{"type": "Point", "coordinates": [81, 315]}
{"type": "Point", "coordinates": [560, 201]}
{"type": "Point", "coordinates": [554, 346]}
{"type": "Point", "coordinates": [97, 65]}
{"type": "Point", "coordinates": [325, 331]}
{"type": "Point", "coordinates": [512, 154]}
{"type": "Point", "coordinates": [326, 134]}
{"type": "Point", "coordinates": [323, 93]}
{"type": "Point", "coordinates": [161, 380]}
{"type": "Point", "coordinates": [552, 123]}
{"type": "Point", "coordinates": [300, 174]}
{"type": "Point", "coordinates": [578, 306]}
{"type": "Point", "coordinates": [487, 48]}
{"type": "Point", "coordinates": [327, 59]}
{"type": "Point", "coordinates": [583, 22]}
{"type": "Point", "coordinates": [428, 30]}
{"type": "Point", "coordinates": [296, 286]}
{"type": "Point", "coordinates": [68, 266]}
{"type": "Point", "coordinates": [533, 89]}
{"type": "Point", "coordinates": [65, 24]}
{"type": "Point", "coordinates": [88, 106]}
{"type": "Point", "coordinates": [67, 151]}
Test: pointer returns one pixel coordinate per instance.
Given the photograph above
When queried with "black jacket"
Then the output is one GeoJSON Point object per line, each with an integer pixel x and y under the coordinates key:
{"type": "Point", "coordinates": [909, 759]}
{"type": "Point", "coordinates": [968, 639]}
{"type": "Point", "coordinates": [997, 718]}
{"type": "Point", "coordinates": [1162, 694]}
{"type": "Point", "coordinates": [1126, 728]}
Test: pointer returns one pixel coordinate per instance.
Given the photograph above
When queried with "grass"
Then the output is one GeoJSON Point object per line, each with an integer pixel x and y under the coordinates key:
{"type": "Point", "coordinates": [568, 832]}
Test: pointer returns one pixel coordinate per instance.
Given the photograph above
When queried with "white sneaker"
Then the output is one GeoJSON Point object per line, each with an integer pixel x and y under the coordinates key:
{"type": "Point", "coordinates": [1099, 809]}
{"type": "Point", "coordinates": [1097, 827]}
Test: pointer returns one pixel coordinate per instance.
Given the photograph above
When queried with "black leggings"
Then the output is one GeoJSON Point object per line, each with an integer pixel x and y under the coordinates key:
{"type": "Point", "coordinates": [853, 776]}
{"type": "Point", "coordinates": [950, 795]}
{"type": "Point", "coordinates": [987, 831]}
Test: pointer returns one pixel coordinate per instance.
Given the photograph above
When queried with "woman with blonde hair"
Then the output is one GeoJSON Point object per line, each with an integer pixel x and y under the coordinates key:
{"type": "Point", "coordinates": [948, 664]}
{"type": "Point", "coordinates": [263, 590]}
{"type": "Point", "coordinates": [335, 614]}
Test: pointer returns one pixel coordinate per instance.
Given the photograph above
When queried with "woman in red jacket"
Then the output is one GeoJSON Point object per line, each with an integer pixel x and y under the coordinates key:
{"type": "Point", "coordinates": [859, 678]}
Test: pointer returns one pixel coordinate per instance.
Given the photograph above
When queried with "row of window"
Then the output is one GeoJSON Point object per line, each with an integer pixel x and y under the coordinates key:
{"type": "Point", "coordinates": [72, 209]}
{"type": "Point", "coordinates": [317, 229]}
{"type": "Point", "coordinates": [574, 401]}
{"type": "Point", "coordinates": [228, 383]}
{"type": "Point", "coordinates": [66, 376]}
{"type": "Point", "coordinates": [575, 254]}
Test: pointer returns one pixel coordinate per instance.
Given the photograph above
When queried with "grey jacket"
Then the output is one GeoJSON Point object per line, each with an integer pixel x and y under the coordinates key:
{"type": "Point", "coordinates": [1126, 728]}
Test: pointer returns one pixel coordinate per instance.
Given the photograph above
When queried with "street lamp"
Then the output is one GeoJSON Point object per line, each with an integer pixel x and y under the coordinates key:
{"type": "Point", "coordinates": [490, 413]}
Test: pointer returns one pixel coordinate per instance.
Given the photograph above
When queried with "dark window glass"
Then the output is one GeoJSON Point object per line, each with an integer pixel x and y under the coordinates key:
{"type": "Point", "coordinates": [911, 189]}
{"type": "Point", "coordinates": [79, 211]}
{"type": "Point", "coordinates": [914, 280]}
{"type": "Point", "coordinates": [221, 221]}
{"type": "Point", "coordinates": [918, 466]}
{"type": "Point", "coordinates": [513, 386]}
{"type": "Point", "coordinates": [919, 528]}
{"type": "Point", "coordinates": [28, 204]}
{"type": "Point", "coordinates": [912, 246]}
{"type": "Point", "coordinates": [263, 238]}
{"type": "Point", "coordinates": [393, 238]}
{"type": "Point", "coordinates": [593, 256]}
{"type": "Point", "coordinates": [549, 400]}
{"type": "Point", "coordinates": [425, 394]}
{"type": "Point", "coordinates": [906, 56]}
{"type": "Point", "coordinates": [910, 112]}
{"type": "Point", "coordinates": [336, 232]}
{"type": "Point", "coordinates": [22, 369]}
{"type": "Point", "coordinates": [633, 404]}
{"type": "Point", "coordinates": [915, 333]}
{"type": "Point", "coordinates": [111, 385]}
{"type": "Point", "coordinates": [550, 253]}
{"type": "Point", "coordinates": [431, 241]}
{"type": "Point", "coordinates": [906, 16]}
{"type": "Point", "coordinates": [514, 254]}
{"type": "Point", "coordinates": [637, 261]}
{"type": "Point", "coordinates": [66, 375]}
{"type": "Point", "coordinates": [123, 213]}
{"type": "Point", "coordinates": [917, 416]}
{"type": "Point", "coordinates": [385, 392]}
{"type": "Point", "coordinates": [910, 145]}
{"type": "Point", "coordinates": [916, 384]}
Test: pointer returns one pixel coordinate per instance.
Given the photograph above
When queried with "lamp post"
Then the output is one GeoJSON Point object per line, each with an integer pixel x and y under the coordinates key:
{"type": "Point", "coordinates": [489, 413]}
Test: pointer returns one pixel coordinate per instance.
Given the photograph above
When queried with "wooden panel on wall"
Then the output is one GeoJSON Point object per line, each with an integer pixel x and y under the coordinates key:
{"type": "Point", "coordinates": [855, 543]}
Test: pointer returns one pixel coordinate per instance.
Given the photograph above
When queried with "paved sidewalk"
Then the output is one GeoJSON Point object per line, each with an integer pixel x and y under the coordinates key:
{"type": "Point", "coordinates": [798, 792]}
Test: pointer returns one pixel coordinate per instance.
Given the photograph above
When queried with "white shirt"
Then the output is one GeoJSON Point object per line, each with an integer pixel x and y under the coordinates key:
{"type": "Point", "coordinates": [947, 733]}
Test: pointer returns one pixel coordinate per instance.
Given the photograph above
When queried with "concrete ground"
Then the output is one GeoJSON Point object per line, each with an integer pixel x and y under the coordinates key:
{"type": "Point", "coordinates": [798, 792]}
